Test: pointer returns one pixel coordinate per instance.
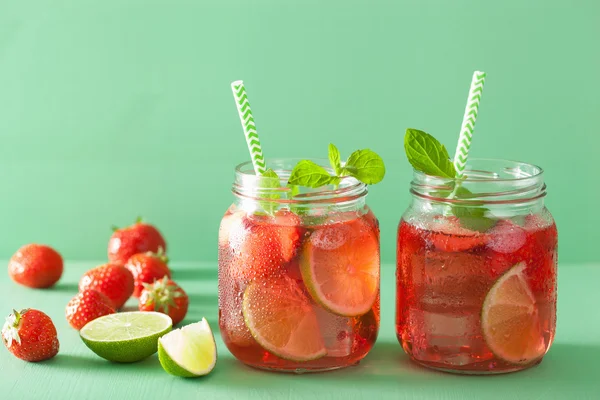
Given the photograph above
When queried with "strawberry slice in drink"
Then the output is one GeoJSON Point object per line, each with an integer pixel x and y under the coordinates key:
{"type": "Point", "coordinates": [448, 235]}
{"type": "Point", "coordinates": [230, 221]}
{"type": "Point", "coordinates": [260, 245]}
{"type": "Point", "coordinates": [340, 267]}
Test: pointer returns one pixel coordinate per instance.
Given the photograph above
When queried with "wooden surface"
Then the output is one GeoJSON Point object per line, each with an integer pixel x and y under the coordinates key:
{"type": "Point", "coordinates": [569, 371]}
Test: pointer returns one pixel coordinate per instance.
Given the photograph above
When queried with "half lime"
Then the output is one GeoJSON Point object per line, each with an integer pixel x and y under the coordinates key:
{"type": "Point", "coordinates": [126, 337]}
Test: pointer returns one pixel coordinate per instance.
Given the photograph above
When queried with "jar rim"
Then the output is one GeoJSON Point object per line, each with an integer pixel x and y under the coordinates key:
{"type": "Point", "coordinates": [486, 181]}
{"type": "Point", "coordinates": [480, 174]}
{"type": "Point", "coordinates": [247, 184]}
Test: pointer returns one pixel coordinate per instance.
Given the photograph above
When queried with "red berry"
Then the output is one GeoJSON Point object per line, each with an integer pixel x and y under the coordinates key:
{"type": "Point", "coordinates": [137, 238]}
{"type": "Point", "coordinates": [165, 296]}
{"type": "Point", "coordinates": [86, 306]}
{"type": "Point", "coordinates": [35, 266]}
{"type": "Point", "coordinates": [30, 335]}
{"type": "Point", "coordinates": [260, 245]}
{"type": "Point", "coordinates": [112, 280]}
{"type": "Point", "coordinates": [448, 235]}
{"type": "Point", "coordinates": [147, 268]}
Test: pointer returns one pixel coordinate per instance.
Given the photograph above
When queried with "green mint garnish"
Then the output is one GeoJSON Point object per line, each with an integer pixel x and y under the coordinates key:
{"type": "Point", "coordinates": [270, 180]}
{"type": "Point", "coordinates": [334, 159]}
{"type": "Point", "coordinates": [307, 173]}
{"type": "Point", "coordinates": [364, 165]}
{"type": "Point", "coordinates": [426, 154]}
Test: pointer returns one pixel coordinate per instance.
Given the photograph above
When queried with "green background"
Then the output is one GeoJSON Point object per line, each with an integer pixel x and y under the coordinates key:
{"type": "Point", "coordinates": [117, 108]}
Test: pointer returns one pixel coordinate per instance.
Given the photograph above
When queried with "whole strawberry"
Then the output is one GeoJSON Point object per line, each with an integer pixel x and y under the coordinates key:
{"type": "Point", "coordinates": [165, 296]}
{"type": "Point", "coordinates": [112, 280]}
{"type": "Point", "coordinates": [86, 306]}
{"type": "Point", "coordinates": [147, 268]}
{"type": "Point", "coordinates": [36, 266]}
{"type": "Point", "coordinates": [137, 238]}
{"type": "Point", "coordinates": [30, 335]}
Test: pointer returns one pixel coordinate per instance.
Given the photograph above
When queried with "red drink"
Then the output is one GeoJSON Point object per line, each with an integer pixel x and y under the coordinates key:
{"type": "Point", "coordinates": [456, 293]}
{"type": "Point", "coordinates": [299, 289]}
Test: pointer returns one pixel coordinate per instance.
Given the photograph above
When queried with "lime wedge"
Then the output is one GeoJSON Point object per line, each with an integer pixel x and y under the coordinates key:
{"type": "Point", "coordinates": [282, 320]}
{"type": "Point", "coordinates": [510, 320]}
{"type": "Point", "coordinates": [188, 352]}
{"type": "Point", "coordinates": [340, 267]}
{"type": "Point", "coordinates": [126, 337]}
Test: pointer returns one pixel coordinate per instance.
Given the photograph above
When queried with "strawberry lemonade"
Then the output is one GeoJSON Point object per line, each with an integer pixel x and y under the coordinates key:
{"type": "Point", "coordinates": [476, 264]}
{"type": "Point", "coordinates": [477, 302]}
{"type": "Point", "coordinates": [298, 273]}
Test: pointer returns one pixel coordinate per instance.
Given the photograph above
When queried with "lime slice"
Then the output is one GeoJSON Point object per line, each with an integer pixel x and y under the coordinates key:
{"type": "Point", "coordinates": [281, 319]}
{"type": "Point", "coordinates": [126, 337]}
{"type": "Point", "coordinates": [510, 321]}
{"type": "Point", "coordinates": [188, 352]}
{"type": "Point", "coordinates": [340, 267]}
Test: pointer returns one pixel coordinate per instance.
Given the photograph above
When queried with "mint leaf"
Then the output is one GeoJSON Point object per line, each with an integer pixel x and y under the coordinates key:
{"type": "Point", "coordinates": [269, 180]}
{"type": "Point", "coordinates": [334, 159]}
{"type": "Point", "coordinates": [366, 166]}
{"type": "Point", "coordinates": [307, 173]}
{"type": "Point", "coordinates": [294, 190]}
{"type": "Point", "coordinates": [472, 217]}
{"type": "Point", "coordinates": [426, 154]}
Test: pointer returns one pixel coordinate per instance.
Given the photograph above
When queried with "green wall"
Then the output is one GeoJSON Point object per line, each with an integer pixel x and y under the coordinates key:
{"type": "Point", "coordinates": [117, 108]}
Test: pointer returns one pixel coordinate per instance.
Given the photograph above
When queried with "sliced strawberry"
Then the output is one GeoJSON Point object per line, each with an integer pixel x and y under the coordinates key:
{"type": "Point", "coordinates": [260, 245]}
{"type": "Point", "coordinates": [229, 222]}
{"type": "Point", "coordinates": [290, 233]}
{"type": "Point", "coordinates": [448, 235]}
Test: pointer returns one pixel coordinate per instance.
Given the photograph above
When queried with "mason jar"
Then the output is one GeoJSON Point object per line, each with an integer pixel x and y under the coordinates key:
{"type": "Point", "coordinates": [298, 272]}
{"type": "Point", "coordinates": [476, 270]}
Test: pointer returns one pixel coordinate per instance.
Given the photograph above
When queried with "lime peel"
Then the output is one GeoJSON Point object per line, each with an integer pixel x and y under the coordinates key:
{"type": "Point", "coordinates": [282, 320]}
{"type": "Point", "coordinates": [126, 337]}
{"type": "Point", "coordinates": [510, 320]}
{"type": "Point", "coordinates": [188, 352]}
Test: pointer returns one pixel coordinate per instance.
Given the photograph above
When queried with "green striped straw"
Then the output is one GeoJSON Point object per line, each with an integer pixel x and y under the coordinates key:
{"type": "Point", "coordinates": [252, 140]}
{"type": "Point", "coordinates": [468, 123]}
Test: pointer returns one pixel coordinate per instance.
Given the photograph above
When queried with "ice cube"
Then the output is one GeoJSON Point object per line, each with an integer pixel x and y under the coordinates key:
{"type": "Point", "coordinates": [337, 333]}
{"type": "Point", "coordinates": [506, 237]}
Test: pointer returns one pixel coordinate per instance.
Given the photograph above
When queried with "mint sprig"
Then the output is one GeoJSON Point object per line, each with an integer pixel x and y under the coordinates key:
{"type": "Point", "coordinates": [364, 165]}
{"type": "Point", "coordinates": [335, 159]}
{"type": "Point", "coordinates": [309, 174]}
{"type": "Point", "coordinates": [269, 180]}
{"type": "Point", "coordinates": [426, 154]}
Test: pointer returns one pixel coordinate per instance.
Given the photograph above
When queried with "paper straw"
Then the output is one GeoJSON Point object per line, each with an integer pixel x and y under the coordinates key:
{"type": "Point", "coordinates": [252, 140]}
{"type": "Point", "coordinates": [468, 123]}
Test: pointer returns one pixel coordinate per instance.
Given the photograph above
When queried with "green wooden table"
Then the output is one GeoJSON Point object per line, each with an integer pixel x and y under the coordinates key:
{"type": "Point", "coordinates": [569, 371]}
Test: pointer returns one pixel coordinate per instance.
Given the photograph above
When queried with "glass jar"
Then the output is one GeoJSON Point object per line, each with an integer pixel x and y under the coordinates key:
{"type": "Point", "coordinates": [476, 270]}
{"type": "Point", "coordinates": [298, 272]}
